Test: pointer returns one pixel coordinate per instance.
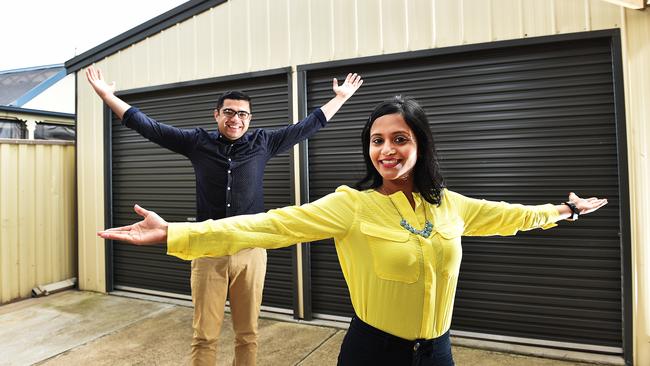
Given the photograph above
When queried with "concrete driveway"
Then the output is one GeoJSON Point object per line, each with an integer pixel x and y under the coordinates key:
{"type": "Point", "coordinates": [86, 328]}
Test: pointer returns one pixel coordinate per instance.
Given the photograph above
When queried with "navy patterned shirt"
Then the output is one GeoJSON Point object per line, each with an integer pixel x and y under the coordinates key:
{"type": "Point", "coordinates": [229, 174]}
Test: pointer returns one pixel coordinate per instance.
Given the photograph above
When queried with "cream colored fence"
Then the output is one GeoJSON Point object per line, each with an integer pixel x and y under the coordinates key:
{"type": "Point", "coordinates": [38, 236]}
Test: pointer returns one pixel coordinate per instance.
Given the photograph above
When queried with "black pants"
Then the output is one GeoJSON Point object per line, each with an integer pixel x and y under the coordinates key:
{"type": "Point", "coordinates": [366, 345]}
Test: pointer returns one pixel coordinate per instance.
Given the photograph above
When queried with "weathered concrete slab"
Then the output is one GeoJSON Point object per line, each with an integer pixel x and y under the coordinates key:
{"type": "Point", "coordinates": [478, 357]}
{"type": "Point", "coordinates": [84, 328]}
{"type": "Point", "coordinates": [162, 339]}
{"type": "Point", "coordinates": [284, 343]}
{"type": "Point", "coordinates": [32, 331]}
{"type": "Point", "coordinates": [327, 353]}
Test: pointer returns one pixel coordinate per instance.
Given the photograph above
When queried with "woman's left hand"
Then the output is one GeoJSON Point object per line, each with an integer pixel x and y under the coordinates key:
{"type": "Point", "coordinates": [587, 205]}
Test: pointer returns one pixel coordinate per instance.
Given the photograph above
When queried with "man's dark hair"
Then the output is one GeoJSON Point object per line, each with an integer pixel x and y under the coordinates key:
{"type": "Point", "coordinates": [427, 178]}
{"type": "Point", "coordinates": [236, 95]}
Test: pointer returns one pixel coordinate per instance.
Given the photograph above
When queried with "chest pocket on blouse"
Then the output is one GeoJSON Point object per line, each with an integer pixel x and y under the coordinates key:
{"type": "Point", "coordinates": [394, 257]}
{"type": "Point", "coordinates": [449, 238]}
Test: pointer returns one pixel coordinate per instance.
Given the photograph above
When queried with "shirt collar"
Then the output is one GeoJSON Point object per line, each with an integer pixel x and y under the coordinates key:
{"type": "Point", "coordinates": [219, 137]}
{"type": "Point", "coordinates": [418, 199]}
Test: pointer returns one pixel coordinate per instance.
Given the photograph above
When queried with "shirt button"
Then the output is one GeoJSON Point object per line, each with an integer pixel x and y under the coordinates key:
{"type": "Point", "coordinates": [228, 205]}
{"type": "Point", "coordinates": [229, 171]}
{"type": "Point", "coordinates": [229, 159]}
{"type": "Point", "coordinates": [228, 188]}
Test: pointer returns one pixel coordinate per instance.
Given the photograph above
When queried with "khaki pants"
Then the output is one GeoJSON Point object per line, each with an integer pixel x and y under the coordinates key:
{"type": "Point", "coordinates": [242, 276]}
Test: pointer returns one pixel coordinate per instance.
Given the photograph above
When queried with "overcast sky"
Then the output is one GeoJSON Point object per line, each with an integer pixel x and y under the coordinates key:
{"type": "Point", "coordinates": [46, 32]}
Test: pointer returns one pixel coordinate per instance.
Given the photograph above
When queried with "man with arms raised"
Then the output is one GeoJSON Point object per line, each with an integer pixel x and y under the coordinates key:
{"type": "Point", "coordinates": [229, 167]}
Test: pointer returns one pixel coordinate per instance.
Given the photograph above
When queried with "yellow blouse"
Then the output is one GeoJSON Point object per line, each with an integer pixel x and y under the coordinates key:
{"type": "Point", "coordinates": [399, 282]}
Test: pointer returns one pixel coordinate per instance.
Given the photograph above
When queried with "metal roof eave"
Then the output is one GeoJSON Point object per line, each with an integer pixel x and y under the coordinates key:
{"type": "Point", "coordinates": [35, 112]}
{"type": "Point", "coordinates": [140, 32]}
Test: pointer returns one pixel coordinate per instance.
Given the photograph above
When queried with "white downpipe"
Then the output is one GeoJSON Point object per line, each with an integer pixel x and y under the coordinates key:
{"type": "Point", "coordinates": [31, 128]}
{"type": "Point", "coordinates": [44, 290]}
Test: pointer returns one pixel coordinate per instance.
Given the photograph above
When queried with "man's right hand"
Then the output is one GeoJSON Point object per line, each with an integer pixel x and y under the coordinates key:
{"type": "Point", "coordinates": [96, 80]}
{"type": "Point", "coordinates": [106, 91]}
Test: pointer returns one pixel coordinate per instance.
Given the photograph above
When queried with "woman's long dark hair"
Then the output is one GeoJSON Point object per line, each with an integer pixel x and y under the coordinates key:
{"type": "Point", "coordinates": [426, 174]}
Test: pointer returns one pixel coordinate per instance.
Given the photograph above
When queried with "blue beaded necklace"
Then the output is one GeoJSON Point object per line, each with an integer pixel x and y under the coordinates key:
{"type": "Point", "coordinates": [425, 232]}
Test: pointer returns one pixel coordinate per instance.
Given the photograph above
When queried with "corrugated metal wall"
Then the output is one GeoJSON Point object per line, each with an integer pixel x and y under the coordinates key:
{"type": "Point", "coordinates": [279, 33]}
{"type": "Point", "coordinates": [636, 58]}
{"type": "Point", "coordinates": [293, 32]}
{"type": "Point", "coordinates": [90, 189]}
{"type": "Point", "coordinates": [37, 216]}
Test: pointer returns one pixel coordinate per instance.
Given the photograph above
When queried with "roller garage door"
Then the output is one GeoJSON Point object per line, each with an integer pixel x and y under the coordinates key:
{"type": "Point", "coordinates": [520, 122]}
{"type": "Point", "coordinates": [163, 181]}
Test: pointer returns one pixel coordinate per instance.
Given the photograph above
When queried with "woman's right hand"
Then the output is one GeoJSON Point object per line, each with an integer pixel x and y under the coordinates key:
{"type": "Point", "coordinates": [587, 205]}
{"type": "Point", "coordinates": [151, 230]}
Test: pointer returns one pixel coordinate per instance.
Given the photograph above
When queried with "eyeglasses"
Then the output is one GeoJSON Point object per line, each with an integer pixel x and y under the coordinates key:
{"type": "Point", "coordinates": [230, 113]}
